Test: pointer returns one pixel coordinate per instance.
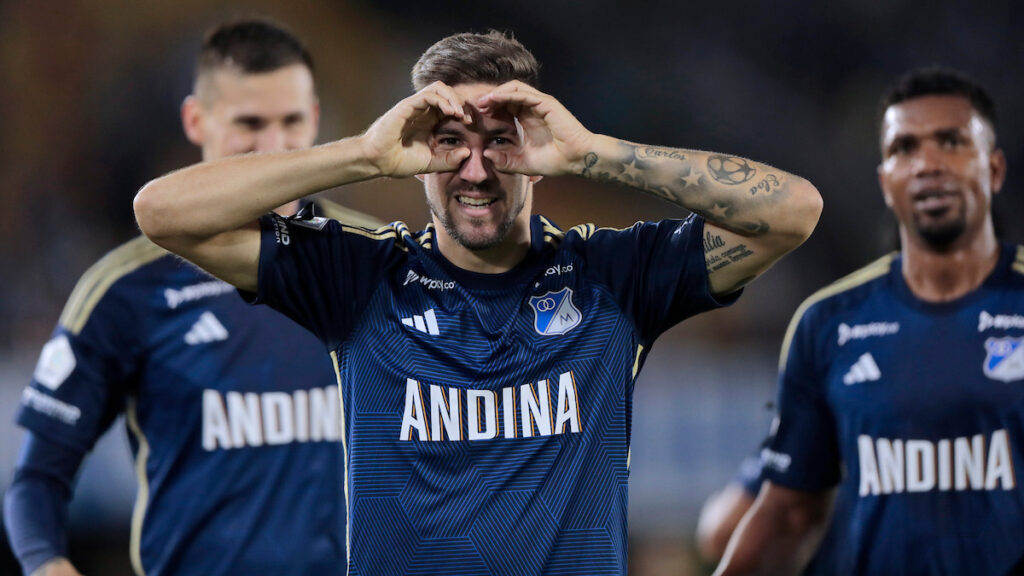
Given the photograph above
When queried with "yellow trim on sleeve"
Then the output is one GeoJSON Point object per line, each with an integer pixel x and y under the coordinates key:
{"type": "Point", "coordinates": [91, 287]}
{"type": "Point", "coordinates": [344, 455]}
{"type": "Point", "coordinates": [142, 496]}
{"type": "Point", "coordinates": [636, 363]}
{"type": "Point", "coordinates": [348, 216]}
{"type": "Point", "coordinates": [864, 275]}
{"type": "Point", "coordinates": [1018, 264]}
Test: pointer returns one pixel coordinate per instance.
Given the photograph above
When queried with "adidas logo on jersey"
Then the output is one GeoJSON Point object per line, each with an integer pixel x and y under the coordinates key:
{"type": "Point", "coordinates": [863, 370]}
{"type": "Point", "coordinates": [427, 323]}
{"type": "Point", "coordinates": [207, 329]}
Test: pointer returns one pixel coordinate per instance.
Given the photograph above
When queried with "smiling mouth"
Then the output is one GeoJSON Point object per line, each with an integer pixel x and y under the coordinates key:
{"type": "Point", "coordinates": [475, 202]}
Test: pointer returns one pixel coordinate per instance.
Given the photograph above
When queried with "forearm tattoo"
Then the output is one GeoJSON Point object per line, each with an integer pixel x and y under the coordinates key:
{"type": "Point", "coordinates": [717, 255]}
{"type": "Point", "coordinates": [673, 175]}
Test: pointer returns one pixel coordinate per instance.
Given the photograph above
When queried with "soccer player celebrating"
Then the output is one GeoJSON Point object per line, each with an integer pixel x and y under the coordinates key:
{"type": "Point", "coordinates": [903, 383]}
{"type": "Point", "coordinates": [487, 362]}
{"type": "Point", "coordinates": [232, 413]}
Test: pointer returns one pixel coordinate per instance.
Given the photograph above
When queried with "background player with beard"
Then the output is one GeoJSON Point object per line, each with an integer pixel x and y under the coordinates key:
{"type": "Point", "coordinates": [232, 412]}
{"type": "Point", "coordinates": [901, 384]}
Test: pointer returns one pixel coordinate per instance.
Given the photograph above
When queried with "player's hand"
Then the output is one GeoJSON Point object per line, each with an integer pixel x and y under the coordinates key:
{"type": "Point", "coordinates": [553, 140]}
{"type": "Point", "coordinates": [56, 567]}
{"type": "Point", "coordinates": [399, 142]}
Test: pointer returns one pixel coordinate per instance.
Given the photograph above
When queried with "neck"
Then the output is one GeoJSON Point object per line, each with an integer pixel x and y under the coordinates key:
{"type": "Point", "coordinates": [494, 260]}
{"type": "Point", "coordinates": [942, 276]}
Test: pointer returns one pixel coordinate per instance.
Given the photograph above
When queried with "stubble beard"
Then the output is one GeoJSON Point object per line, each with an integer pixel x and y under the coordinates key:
{"type": "Point", "coordinates": [468, 240]}
{"type": "Point", "coordinates": [941, 235]}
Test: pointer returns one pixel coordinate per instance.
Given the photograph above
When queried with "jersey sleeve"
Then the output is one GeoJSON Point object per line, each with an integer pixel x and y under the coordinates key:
{"type": "Point", "coordinates": [320, 272]}
{"type": "Point", "coordinates": [802, 452]}
{"type": "Point", "coordinates": [85, 370]}
{"type": "Point", "coordinates": [750, 474]}
{"type": "Point", "coordinates": [656, 271]}
{"type": "Point", "coordinates": [36, 503]}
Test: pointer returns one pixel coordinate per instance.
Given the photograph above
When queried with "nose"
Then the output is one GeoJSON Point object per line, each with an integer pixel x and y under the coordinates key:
{"type": "Point", "coordinates": [476, 167]}
{"type": "Point", "coordinates": [929, 160]}
{"type": "Point", "coordinates": [271, 139]}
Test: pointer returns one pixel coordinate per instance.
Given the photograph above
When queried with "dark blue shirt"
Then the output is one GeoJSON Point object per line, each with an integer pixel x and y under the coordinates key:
{"type": "Point", "coordinates": [916, 411]}
{"type": "Point", "coordinates": [487, 417]}
{"type": "Point", "coordinates": [232, 412]}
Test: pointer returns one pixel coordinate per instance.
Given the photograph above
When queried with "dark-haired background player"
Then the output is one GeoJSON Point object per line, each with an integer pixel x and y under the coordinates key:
{"type": "Point", "coordinates": [487, 362]}
{"type": "Point", "coordinates": [903, 383]}
{"type": "Point", "coordinates": [232, 412]}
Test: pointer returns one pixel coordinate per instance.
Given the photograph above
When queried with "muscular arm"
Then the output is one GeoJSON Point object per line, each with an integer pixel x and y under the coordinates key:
{"type": "Point", "coordinates": [755, 213]}
{"type": "Point", "coordinates": [779, 534]}
{"type": "Point", "coordinates": [207, 212]}
{"type": "Point", "coordinates": [36, 506]}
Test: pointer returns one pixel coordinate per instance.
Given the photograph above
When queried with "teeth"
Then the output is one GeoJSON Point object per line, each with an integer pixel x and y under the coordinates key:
{"type": "Point", "coordinates": [475, 201]}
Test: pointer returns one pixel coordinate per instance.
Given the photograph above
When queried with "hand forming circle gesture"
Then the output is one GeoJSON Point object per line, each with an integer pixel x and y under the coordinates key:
{"type": "Point", "coordinates": [553, 143]}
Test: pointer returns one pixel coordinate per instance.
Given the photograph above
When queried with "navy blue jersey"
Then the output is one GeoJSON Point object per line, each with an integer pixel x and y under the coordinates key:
{"type": "Point", "coordinates": [487, 416]}
{"type": "Point", "coordinates": [232, 413]}
{"type": "Point", "coordinates": [915, 409]}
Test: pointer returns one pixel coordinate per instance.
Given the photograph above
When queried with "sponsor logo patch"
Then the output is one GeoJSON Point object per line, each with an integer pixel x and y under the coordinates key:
{"type": "Point", "coordinates": [988, 321]}
{"type": "Point", "coordinates": [862, 331]}
{"type": "Point", "coordinates": [177, 297]}
{"type": "Point", "coordinates": [56, 363]}
{"type": "Point", "coordinates": [1004, 359]}
{"type": "Point", "coordinates": [554, 313]}
{"type": "Point", "coordinates": [412, 277]}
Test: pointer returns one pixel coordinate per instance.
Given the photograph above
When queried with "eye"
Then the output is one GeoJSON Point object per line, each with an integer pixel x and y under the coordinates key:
{"type": "Point", "coordinates": [901, 146]}
{"type": "Point", "coordinates": [448, 141]}
{"type": "Point", "coordinates": [252, 123]}
{"type": "Point", "coordinates": [952, 140]}
{"type": "Point", "coordinates": [502, 141]}
{"type": "Point", "coordinates": [293, 120]}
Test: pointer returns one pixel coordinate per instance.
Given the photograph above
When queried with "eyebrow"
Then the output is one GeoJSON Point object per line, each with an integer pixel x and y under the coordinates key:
{"type": "Point", "coordinates": [449, 129]}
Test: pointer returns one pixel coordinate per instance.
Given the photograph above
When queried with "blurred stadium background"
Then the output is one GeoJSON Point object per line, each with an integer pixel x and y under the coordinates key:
{"type": "Point", "coordinates": [89, 112]}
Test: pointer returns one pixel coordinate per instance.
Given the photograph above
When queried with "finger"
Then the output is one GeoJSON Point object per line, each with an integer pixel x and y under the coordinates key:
{"type": "Point", "coordinates": [429, 102]}
{"type": "Point", "coordinates": [448, 160]}
{"type": "Point", "coordinates": [505, 162]}
{"type": "Point", "coordinates": [456, 106]}
{"type": "Point", "coordinates": [509, 99]}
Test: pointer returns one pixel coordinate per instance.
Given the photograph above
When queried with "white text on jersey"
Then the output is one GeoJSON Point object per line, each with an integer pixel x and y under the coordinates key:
{"type": "Point", "coordinates": [516, 411]}
{"type": "Point", "coordinates": [237, 420]}
{"type": "Point", "coordinates": [966, 463]}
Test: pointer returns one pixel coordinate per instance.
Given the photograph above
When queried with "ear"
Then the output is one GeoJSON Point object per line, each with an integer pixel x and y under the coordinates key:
{"type": "Point", "coordinates": [997, 169]}
{"type": "Point", "coordinates": [192, 120]}
{"type": "Point", "coordinates": [881, 184]}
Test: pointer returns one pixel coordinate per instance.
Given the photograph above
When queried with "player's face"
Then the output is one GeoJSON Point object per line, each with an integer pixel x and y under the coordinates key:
{"type": "Point", "coordinates": [477, 206]}
{"type": "Point", "coordinates": [939, 169]}
{"type": "Point", "coordinates": [240, 113]}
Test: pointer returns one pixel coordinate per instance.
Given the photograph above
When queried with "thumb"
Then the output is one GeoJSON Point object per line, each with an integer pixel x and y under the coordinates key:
{"type": "Point", "coordinates": [502, 161]}
{"type": "Point", "coordinates": [448, 160]}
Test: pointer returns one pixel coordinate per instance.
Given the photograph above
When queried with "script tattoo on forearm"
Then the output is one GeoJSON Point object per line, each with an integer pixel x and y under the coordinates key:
{"type": "Point", "coordinates": [769, 184]}
{"type": "Point", "coordinates": [718, 256]}
{"type": "Point", "coordinates": [629, 170]}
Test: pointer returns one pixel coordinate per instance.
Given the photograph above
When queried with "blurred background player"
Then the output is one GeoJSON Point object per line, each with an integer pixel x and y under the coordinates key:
{"type": "Point", "coordinates": [902, 385]}
{"type": "Point", "coordinates": [724, 509]}
{"type": "Point", "coordinates": [232, 412]}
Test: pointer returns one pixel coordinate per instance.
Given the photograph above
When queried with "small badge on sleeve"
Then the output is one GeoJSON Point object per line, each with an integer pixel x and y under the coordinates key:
{"type": "Point", "coordinates": [554, 313]}
{"type": "Point", "coordinates": [1004, 359]}
{"type": "Point", "coordinates": [56, 362]}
